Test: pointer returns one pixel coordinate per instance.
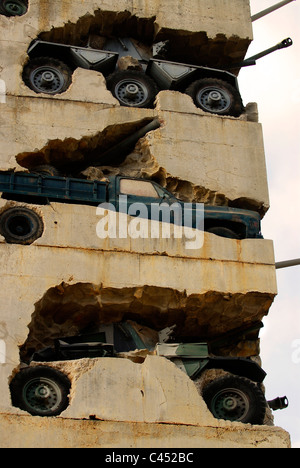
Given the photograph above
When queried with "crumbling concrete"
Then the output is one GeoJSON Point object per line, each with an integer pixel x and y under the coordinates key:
{"type": "Point", "coordinates": [35, 432]}
{"type": "Point", "coordinates": [69, 279]}
{"type": "Point", "coordinates": [224, 161]}
{"type": "Point", "coordinates": [155, 392]}
{"type": "Point", "coordinates": [218, 34]}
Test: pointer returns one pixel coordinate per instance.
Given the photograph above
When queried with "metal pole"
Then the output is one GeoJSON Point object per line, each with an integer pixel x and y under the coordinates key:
{"type": "Point", "coordinates": [270, 10]}
{"type": "Point", "coordinates": [287, 263]}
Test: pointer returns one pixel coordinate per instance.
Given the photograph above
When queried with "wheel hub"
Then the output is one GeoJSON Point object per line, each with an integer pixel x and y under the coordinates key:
{"type": "Point", "coordinates": [214, 98]}
{"type": "Point", "coordinates": [19, 226]}
{"type": "Point", "coordinates": [230, 404]}
{"type": "Point", "coordinates": [42, 395]}
{"type": "Point", "coordinates": [42, 392]}
{"type": "Point", "coordinates": [131, 91]}
{"type": "Point", "coordinates": [47, 78]}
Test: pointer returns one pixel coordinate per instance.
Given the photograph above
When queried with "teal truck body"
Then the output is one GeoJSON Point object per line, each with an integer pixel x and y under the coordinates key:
{"type": "Point", "coordinates": [124, 193]}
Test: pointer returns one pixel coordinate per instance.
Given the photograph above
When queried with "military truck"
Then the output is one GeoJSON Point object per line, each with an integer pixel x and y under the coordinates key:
{"type": "Point", "coordinates": [22, 225]}
{"type": "Point", "coordinates": [236, 395]}
{"type": "Point", "coordinates": [13, 7]}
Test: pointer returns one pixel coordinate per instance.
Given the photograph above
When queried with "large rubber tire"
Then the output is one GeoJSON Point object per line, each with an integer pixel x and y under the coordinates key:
{"type": "Point", "coordinates": [223, 232]}
{"type": "Point", "coordinates": [216, 96]}
{"type": "Point", "coordinates": [13, 7]}
{"type": "Point", "coordinates": [21, 225]}
{"type": "Point", "coordinates": [132, 88]}
{"type": "Point", "coordinates": [235, 398]}
{"type": "Point", "coordinates": [41, 391]}
{"type": "Point", "coordinates": [47, 75]}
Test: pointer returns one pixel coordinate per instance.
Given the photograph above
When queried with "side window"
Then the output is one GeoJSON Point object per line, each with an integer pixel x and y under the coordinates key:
{"type": "Point", "coordinates": [139, 188]}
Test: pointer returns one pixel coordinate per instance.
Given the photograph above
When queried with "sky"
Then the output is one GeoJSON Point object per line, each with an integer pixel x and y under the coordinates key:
{"type": "Point", "coordinates": [274, 83]}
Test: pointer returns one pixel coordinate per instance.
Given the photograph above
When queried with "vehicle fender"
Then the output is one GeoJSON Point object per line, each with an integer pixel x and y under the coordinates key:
{"type": "Point", "coordinates": [243, 367]}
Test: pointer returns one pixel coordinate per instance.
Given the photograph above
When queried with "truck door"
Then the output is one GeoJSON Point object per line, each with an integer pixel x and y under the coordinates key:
{"type": "Point", "coordinates": [136, 196]}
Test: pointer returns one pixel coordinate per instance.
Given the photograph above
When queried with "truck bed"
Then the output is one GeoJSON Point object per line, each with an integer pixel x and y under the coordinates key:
{"type": "Point", "coordinates": [59, 188]}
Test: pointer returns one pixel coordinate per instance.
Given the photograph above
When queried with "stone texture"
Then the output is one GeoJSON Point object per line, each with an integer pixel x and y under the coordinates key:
{"type": "Point", "coordinates": [34, 432]}
{"type": "Point", "coordinates": [165, 284]}
{"type": "Point", "coordinates": [147, 395]}
{"type": "Point", "coordinates": [197, 156]}
{"type": "Point", "coordinates": [69, 278]}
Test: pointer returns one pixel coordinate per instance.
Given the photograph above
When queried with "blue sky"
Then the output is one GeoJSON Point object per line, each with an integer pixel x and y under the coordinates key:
{"type": "Point", "coordinates": [274, 83]}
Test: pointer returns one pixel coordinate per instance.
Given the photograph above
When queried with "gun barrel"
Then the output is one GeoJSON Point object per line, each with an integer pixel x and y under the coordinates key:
{"type": "Point", "coordinates": [252, 60]}
{"type": "Point", "coordinates": [278, 403]}
{"type": "Point", "coordinates": [118, 152]}
{"type": "Point", "coordinates": [269, 10]}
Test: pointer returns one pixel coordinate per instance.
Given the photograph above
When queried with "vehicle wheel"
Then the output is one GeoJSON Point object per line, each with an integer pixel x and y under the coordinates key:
{"type": "Point", "coordinates": [13, 7]}
{"type": "Point", "coordinates": [41, 391]}
{"type": "Point", "coordinates": [46, 169]}
{"type": "Point", "coordinates": [20, 225]}
{"type": "Point", "coordinates": [216, 96]}
{"type": "Point", "coordinates": [132, 88]}
{"type": "Point", "coordinates": [223, 232]}
{"type": "Point", "coordinates": [235, 398]}
{"type": "Point", "coordinates": [47, 75]}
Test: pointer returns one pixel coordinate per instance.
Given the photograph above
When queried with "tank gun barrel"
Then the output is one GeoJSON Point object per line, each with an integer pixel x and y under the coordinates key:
{"type": "Point", "coordinates": [252, 60]}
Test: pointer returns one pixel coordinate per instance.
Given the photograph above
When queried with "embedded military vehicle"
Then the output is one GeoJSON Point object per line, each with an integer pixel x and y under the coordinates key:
{"type": "Point", "coordinates": [122, 193]}
{"type": "Point", "coordinates": [50, 67]}
{"type": "Point", "coordinates": [43, 390]}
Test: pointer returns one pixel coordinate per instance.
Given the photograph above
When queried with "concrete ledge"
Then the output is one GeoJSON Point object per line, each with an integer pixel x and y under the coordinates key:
{"type": "Point", "coordinates": [219, 33]}
{"type": "Point", "coordinates": [32, 432]}
{"type": "Point", "coordinates": [198, 156]}
{"type": "Point", "coordinates": [222, 157]}
{"type": "Point", "coordinates": [120, 268]}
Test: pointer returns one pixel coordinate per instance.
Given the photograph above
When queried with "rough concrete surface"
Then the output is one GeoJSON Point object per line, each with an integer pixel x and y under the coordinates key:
{"type": "Point", "coordinates": [161, 408]}
{"type": "Point", "coordinates": [69, 278]}
{"type": "Point", "coordinates": [34, 432]}
{"type": "Point", "coordinates": [197, 156]}
{"type": "Point", "coordinates": [218, 31]}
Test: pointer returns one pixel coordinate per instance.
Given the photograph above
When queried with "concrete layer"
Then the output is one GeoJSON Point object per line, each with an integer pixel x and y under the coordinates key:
{"type": "Point", "coordinates": [202, 157]}
{"type": "Point", "coordinates": [116, 390]}
{"type": "Point", "coordinates": [32, 432]}
{"type": "Point", "coordinates": [70, 278]}
{"type": "Point", "coordinates": [70, 232]}
{"type": "Point", "coordinates": [85, 228]}
{"type": "Point", "coordinates": [197, 156]}
{"type": "Point", "coordinates": [33, 129]}
{"type": "Point", "coordinates": [216, 32]}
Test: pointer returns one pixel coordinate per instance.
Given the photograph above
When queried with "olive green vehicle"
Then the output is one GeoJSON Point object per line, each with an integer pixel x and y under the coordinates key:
{"type": "Point", "coordinates": [236, 395]}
